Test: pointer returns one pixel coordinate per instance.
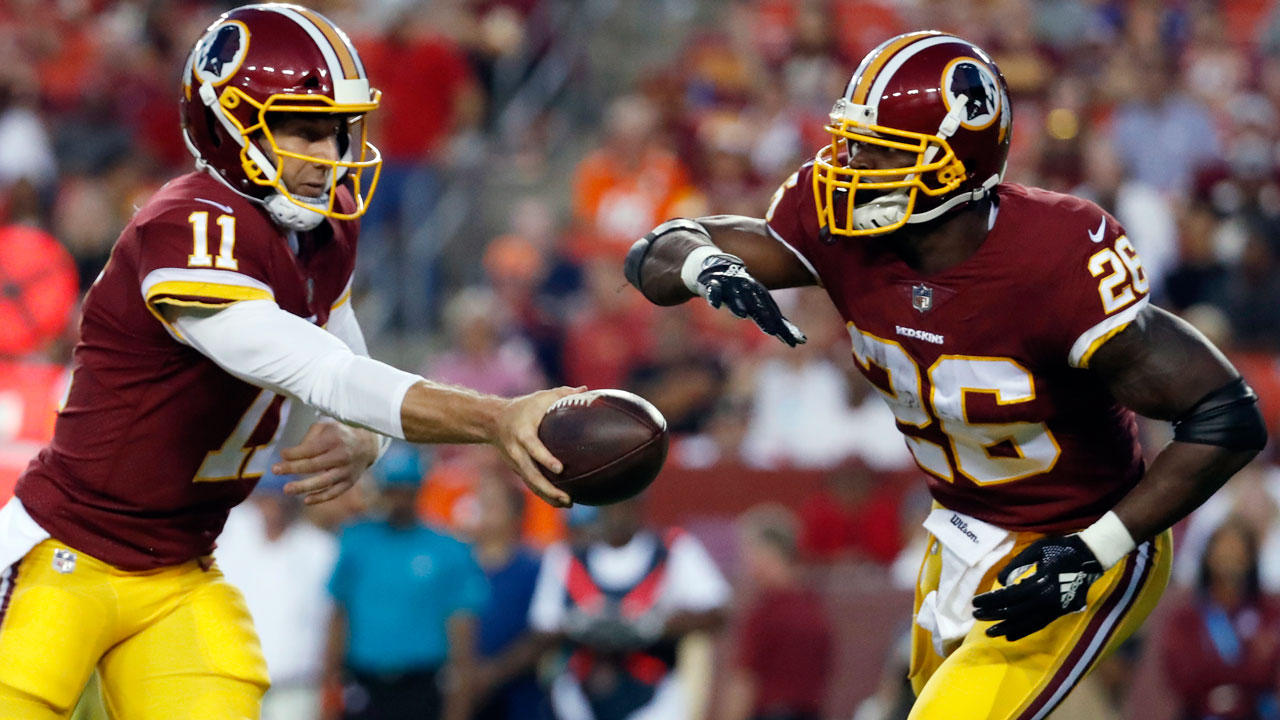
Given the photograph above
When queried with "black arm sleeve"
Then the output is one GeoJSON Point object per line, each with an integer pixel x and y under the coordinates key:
{"type": "Point", "coordinates": [1227, 417]}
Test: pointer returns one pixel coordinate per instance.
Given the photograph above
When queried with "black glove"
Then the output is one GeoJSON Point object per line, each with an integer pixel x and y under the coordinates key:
{"type": "Point", "coordinates": [1065, 568]}
{"type": "Point", "coordinates": [724, 280]}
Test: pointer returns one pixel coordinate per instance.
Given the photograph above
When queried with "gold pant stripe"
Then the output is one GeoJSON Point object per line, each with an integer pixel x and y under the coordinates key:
{"type": "Point", "coordinates": [1097, 633]}
{"type": "Point", "coordinates": [986, 678]}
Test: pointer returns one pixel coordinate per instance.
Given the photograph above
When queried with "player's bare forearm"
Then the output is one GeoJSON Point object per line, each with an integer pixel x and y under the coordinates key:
{"type": "Point", "coordinates": [769, 261]}
{"type": "Point", "coordinates": [765, 258]}
{"type": "Point", "coordinates": [660, 270]}
{"type": "Point", "coordinates": [1164, 369]}
{"type": "Point", "coordinates": [1178, 481]}
{"type": "Point", "coordinates": [438, 413]}
{"type": "Point", "coordinates": [728, 259]}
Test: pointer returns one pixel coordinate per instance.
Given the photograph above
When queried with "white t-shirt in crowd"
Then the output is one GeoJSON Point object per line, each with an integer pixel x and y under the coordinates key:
{"type": "Point", "coordinates": [284, 585]}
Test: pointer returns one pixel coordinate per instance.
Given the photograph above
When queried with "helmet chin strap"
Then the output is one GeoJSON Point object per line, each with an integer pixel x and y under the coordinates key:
{"type": "Point", "coordinates": [291, 216]}
{"type": "Point", "coordinates": [881, 212]}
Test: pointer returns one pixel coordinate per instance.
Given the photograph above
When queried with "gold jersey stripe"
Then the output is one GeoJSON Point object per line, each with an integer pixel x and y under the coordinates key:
{"type": "Point", "coordinates": [342, 300]}
{"type": "Point", "coordinates": [188, 289]}
{"type": "Point", "coordinates": [1093, 346]}
{"type": "Point", "coordinates": [869, 77]}
{"type": "Point", "coordinates": [345, 58]}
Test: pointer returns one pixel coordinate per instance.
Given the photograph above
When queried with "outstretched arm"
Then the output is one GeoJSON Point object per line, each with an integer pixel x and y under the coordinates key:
{"type": "Point", "coordinates": [1162, 368]}
{"type": "Point", "coordinates": [266, 346]}
{"type": "Point", "coordinates": [728, 259]}
{"type": "Point", "coordinates": [669, 246]}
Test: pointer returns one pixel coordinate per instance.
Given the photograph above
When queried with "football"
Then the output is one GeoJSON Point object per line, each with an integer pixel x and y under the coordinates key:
{"type": "Point", "coordinates": [612, 444]}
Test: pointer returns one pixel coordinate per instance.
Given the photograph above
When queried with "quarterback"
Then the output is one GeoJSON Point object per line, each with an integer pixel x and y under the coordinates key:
{"type": "Point", "coordinates": [214, 340]}
{"type": "Point", "coordinates": [1009, 330]}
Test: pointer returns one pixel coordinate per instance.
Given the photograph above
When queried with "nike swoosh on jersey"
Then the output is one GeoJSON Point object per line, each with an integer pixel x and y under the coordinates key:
{"type": "Point", "coordinates": [227, 209]}
{"type": "Point", "coordinates": [1096, 235]}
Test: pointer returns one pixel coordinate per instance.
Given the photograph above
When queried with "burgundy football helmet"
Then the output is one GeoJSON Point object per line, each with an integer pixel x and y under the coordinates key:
{"type": "Point", "coordinates": [274, 57]}
{"type": "Point", "coordinates": [931, 94]}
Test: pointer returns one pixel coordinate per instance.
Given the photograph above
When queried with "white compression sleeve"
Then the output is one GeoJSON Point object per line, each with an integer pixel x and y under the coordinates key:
{"type": "Point", "coordinates": [269, 347]}
{"type": "Point", "coordinates": [344, 325]}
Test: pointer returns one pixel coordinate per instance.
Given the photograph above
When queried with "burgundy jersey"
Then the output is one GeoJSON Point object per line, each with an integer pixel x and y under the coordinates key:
{"type": "Point", "coordinates": [156, 443]}
{"type": "Point", "coordinates": [985, 364]}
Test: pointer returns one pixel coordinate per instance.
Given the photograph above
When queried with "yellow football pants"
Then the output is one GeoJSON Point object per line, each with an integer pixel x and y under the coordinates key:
{"type": "Point", "coordinates": [175, 643]}
{"type": "Point", "coordinates": [993, 679]}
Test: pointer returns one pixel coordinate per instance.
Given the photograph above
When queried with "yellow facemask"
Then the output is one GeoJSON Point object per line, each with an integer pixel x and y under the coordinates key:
{"type": "Point", "coordinates": [259, 169]}
{"type": "Point", "coordinates": [832, 179]}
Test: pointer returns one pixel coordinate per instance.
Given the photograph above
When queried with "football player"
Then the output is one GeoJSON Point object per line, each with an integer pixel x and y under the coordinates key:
{"type": "Point", "coordinates": [1009, 330]}
{"type": "Point", "coordinates": [220, 327]}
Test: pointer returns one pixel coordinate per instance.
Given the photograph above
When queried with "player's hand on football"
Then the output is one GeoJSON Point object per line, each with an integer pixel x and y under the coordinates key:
{"type": "Point", "coordinates": [1065, 568]}
{"type": "Point", "coordinates": [332, 456]}
{"type": "Point", "coordinates": [517, 440]}
{"type": "Point", "coordinates": [724, 280]}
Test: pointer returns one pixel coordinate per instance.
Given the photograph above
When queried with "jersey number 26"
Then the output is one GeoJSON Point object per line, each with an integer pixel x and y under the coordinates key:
{"type": "Point", "coordinates": [985, 452]}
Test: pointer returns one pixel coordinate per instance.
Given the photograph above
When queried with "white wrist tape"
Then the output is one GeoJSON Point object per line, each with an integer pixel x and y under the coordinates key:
{"type": "Point", "coordinates": [1108, 539]}
{"type": "Point", "coordinates": [693, 266]}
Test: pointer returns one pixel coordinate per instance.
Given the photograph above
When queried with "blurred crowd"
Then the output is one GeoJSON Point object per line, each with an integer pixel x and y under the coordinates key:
{"type": "Point", "coordinates": [527, 144]}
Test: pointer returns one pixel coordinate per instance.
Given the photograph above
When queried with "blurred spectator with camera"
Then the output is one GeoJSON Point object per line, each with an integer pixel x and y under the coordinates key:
{"type": "Point", "coordinates": [406, 600]}
{"type": "Point", "coordinates": [619, 605]}
{"type": "Point", "coordinates": [281, 563]}
{"type": "Point", "coordinates": [1222, 653]}
{"type": "Point", "coordinates": [785, 644]}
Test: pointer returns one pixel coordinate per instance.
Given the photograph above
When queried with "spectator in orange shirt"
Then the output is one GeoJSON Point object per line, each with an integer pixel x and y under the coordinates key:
{"type": "Point", "coordinates": [630, 183]}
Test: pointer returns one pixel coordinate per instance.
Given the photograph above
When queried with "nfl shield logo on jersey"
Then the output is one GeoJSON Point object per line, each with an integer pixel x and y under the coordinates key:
{"type": "Point", "coordinates": [64, 561]}
{"type": "Point", "coordinates": [921, 297]}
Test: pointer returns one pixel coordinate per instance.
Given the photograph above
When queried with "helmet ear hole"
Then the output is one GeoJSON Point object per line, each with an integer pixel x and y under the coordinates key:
{"type": "Point", "coordinates": [215, 132]}
{"type": "Point", "coordinates": [311, 82]}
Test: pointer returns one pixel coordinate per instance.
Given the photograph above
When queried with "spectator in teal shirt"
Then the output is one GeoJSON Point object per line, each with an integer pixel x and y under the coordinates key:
{"type": "Point", "coordinates": [406, 597]}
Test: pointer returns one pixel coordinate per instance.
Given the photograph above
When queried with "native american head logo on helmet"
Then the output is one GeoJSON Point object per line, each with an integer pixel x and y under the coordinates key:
{"type": "Point", "coordinates": [257, 63]}
{"type": "Point", "coordinates": [928, 94]}
{"type": "Point", "coordinates": [221, 56]}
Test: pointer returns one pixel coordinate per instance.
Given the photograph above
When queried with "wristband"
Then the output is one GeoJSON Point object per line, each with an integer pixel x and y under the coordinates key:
{"type": "Point", "coordinates": [692, 266]}
{"type": "Point", "coordinates": [1108, 539]}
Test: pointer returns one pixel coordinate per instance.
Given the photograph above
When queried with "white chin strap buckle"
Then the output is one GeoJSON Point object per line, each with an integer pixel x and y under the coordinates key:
{"type": "Point", "coordinates": [292, 216]}
{"type": "Point", "coordinates": [880, 212]}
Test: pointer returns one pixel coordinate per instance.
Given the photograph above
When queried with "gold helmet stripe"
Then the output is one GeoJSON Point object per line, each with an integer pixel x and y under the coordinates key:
{"type": "Point", "coordinates": [313, 29]}
{"type": "Point", "coordinates": [859, 95]}
{"type": "Point", "coordinates": [350, 67]}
